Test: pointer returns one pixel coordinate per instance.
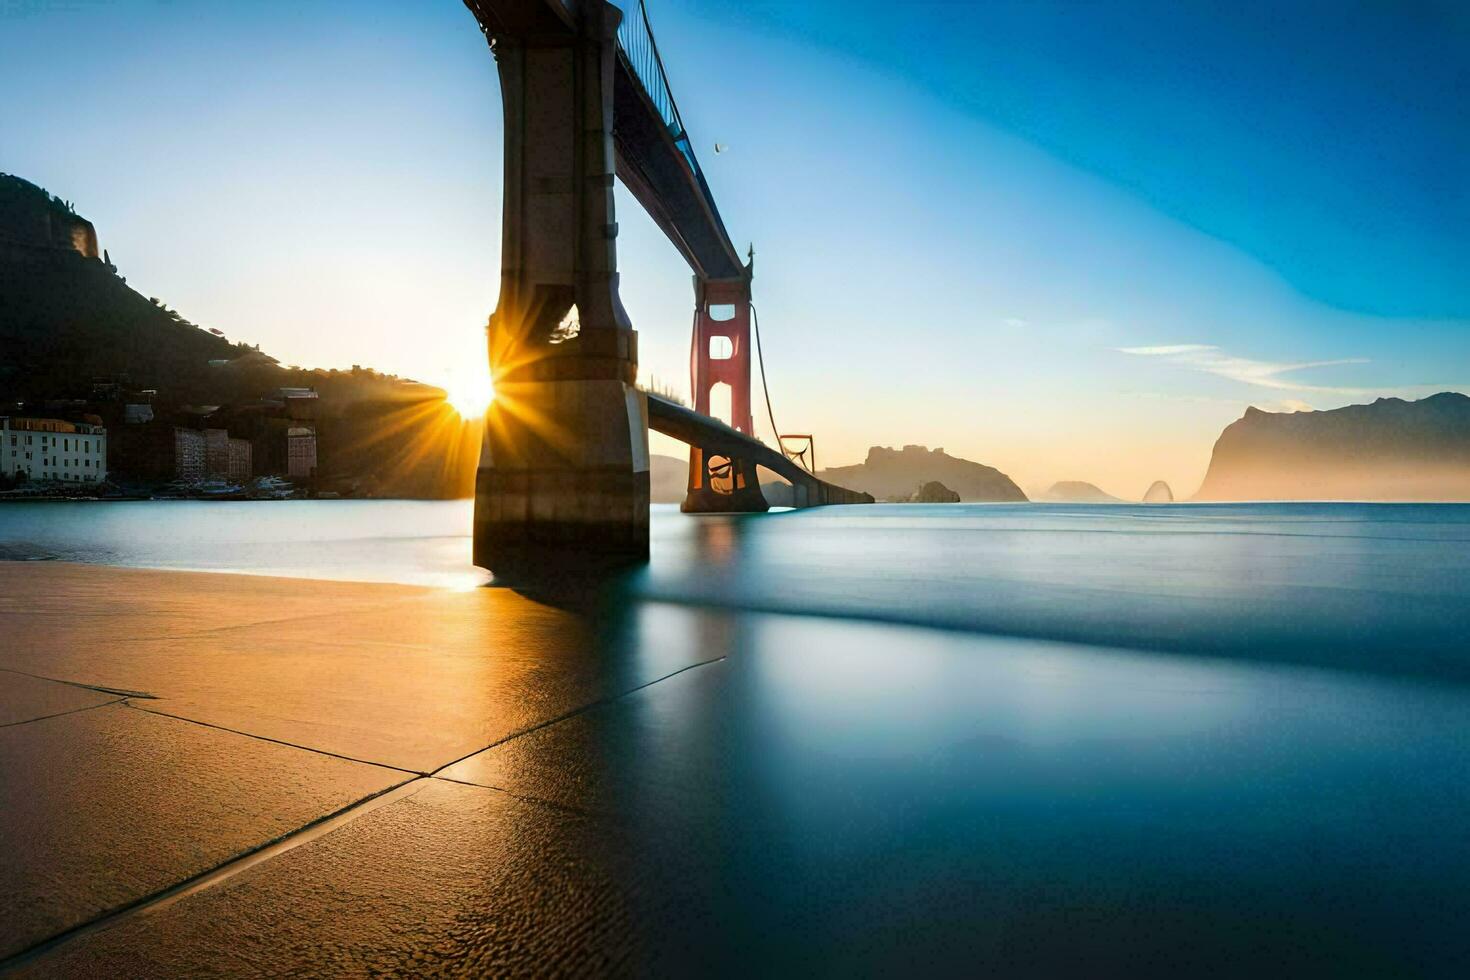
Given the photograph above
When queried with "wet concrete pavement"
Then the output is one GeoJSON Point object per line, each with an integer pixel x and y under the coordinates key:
{"type": "Point", "coordinates": [484, 783]}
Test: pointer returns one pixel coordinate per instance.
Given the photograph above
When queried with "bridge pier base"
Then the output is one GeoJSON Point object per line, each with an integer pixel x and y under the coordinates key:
{"type": "Point", "coordinates": [722, 485]}
{"type": "Point", "coordinates": [563, 474]}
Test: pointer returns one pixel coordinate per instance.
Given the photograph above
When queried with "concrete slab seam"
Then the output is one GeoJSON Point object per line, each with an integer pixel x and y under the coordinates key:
{"type": "Point", "coordinates": [566, 716]}
{"type": "Point", "coordinates": [211, 876]}
{"type": "Point", "coordinates": [277, 741]}
{"type": "Point", "coordinates": [575, 811]}
{"type": "Point", "coordinates": [61, 714]}
{"type": "Point", "coordinates": [122, 692]}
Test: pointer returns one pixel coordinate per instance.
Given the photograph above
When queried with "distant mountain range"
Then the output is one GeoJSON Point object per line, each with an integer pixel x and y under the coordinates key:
{"type": "Point", "coordinates": [1389, 450]}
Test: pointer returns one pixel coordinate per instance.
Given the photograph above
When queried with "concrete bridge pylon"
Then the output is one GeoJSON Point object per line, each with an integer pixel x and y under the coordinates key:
{"type": "Point", "coordinates": [564, 464]}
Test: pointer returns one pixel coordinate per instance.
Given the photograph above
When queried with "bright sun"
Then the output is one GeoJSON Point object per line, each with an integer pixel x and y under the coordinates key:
{"type": "Point", "coordinates": [470, 396]}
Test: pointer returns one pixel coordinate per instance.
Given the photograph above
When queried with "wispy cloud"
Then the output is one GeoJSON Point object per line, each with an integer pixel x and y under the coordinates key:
{"type": "Point", "coordinates": [1167, 350]}
{"type": "Point", "coordinates": [1265, 405]}
{"type": "Point", "coordinates": [1263, 374]}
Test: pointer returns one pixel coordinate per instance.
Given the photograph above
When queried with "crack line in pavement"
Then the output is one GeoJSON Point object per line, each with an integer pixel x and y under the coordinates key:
{"type": "Point", "coordinates": [524, 798]}
{"type": "Point", "coordinates": [59, 714]}
{"type": "Point", "coordinates": [227, 869]}
{"type": "Point", "coordinates": [277, 741]}
{"type": "Point", "coordinates": [123, 692]}
{"type": "Point", "coordinates": [571, 714]}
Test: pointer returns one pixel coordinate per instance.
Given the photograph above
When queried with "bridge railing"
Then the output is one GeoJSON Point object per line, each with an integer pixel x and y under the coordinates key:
{"type": "Point", "coordinates": [637, 47]}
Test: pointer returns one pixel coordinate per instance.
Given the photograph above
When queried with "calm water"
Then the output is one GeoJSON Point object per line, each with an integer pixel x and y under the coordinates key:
{"type": "Point", "coordinates": [1109, 739]}
{"type": "Point", "coordinates": [1384, 587]}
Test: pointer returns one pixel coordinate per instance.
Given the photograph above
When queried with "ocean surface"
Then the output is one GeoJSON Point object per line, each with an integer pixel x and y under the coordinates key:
{"type": "Point", "coordinates": [1099, 732]}
{"type": "Point", "coordinates": [1382, 587]}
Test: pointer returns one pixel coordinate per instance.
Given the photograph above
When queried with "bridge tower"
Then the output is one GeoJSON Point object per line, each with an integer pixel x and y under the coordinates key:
{"type": "Point", "coordinates": [720, 354]}
{"type": "Point", "coordinates": [564, 463]}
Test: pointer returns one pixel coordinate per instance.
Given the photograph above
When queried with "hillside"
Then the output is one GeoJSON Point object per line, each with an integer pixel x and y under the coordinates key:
{"type": "Point", "coordinates": [29, 216]}
{"type": "Point", "coordinates": [1389, 450]}
{"type": "Point", "coordinates": [896, 472]}
{"type": "Point", "coordinates": [71, 328]}
{"type": "Point", "coordinates": [668, 479]}
{"type": "Point", "coordinates": [66, 320]}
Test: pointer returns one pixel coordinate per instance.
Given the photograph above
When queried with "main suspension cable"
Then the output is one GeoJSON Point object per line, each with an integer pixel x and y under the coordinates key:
{"type": "Point", "coordinates": [766, 390]}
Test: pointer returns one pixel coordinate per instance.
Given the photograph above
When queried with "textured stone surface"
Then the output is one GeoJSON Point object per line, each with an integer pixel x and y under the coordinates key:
{"type": "Point", "coordinates": [103, 807]}
{"type": "Point", "coordinates": [75, 615]}
{"type": "Point", "coordinates": [450, 879]}
{"type": "Point", "coordinates": [401, 676]}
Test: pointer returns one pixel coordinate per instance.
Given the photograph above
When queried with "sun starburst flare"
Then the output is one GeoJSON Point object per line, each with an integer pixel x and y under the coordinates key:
{"type": "Point", "coordinates": [470, 395]}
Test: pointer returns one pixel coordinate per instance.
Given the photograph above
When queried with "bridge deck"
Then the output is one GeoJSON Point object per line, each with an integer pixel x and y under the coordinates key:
{"type": "Point", "coordinates": [712, 435]}
{"type": "Point", "coordinates": [665, 179]}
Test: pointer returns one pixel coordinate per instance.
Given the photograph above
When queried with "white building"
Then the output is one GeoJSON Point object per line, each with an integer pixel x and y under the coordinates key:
{"type": "Point", "coordinates": [50, 449]}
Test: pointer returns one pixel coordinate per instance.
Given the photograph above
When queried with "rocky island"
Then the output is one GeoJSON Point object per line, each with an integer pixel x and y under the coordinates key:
{"type": "Point", "coordinates": [1391, 449]}
{"type": "Point", "coordinates": [1158, 493]}
{"type": "Point", "coordinates": [888, 473]}
{"type": "Point", "coordinates": [1078, 492]}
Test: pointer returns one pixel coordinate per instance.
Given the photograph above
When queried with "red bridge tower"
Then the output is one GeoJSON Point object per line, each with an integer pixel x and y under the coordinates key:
{"type": "Point", "coordinates": [720, 356]}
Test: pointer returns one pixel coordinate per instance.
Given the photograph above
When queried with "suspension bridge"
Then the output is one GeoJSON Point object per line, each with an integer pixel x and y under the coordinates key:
{"type": "Point", "coordinates": [565, 462]}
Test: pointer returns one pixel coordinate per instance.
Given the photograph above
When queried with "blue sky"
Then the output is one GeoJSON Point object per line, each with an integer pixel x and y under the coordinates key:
{"type": "Point", "coordinates": [1072, 240]}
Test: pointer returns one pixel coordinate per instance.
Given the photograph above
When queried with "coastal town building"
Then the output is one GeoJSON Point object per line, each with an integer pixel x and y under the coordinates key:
{"type": "Point", "coordinates": [158, 452]}
{"type": "Point", "coordinates": [188, 457]}
{"type": "Point", "coordinates": [216, 453]}
{"type": "Point", "coordinates": [301, 452]}
{"type": "Point", "coordinates": [246, 444]}
{"type": "Point", "coordinates": [226, 457]}
{"type": "Point", "coordinates": [239, 467]}
{"type": "Point", "coordinates": [53, 449]}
